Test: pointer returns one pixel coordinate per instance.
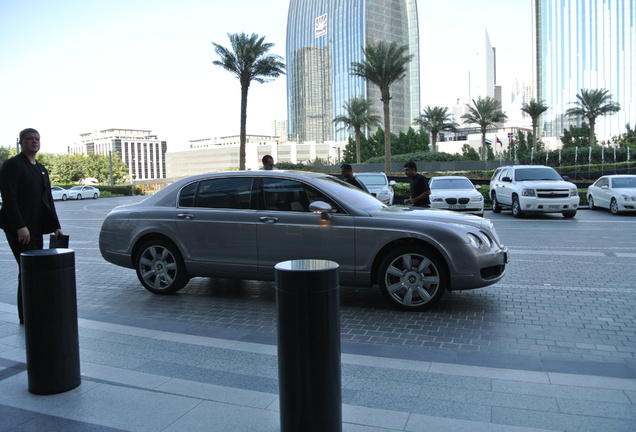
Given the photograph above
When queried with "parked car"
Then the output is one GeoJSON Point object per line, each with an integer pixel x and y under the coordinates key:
{"type": "Point", "coordinates": [243, 223]}
{"type": "Point", "coordinates": [378, 185]}
{"type": "Point", "coordinates": [81, 192]}
{"type": "Point", "coordinates": [59, 193]}
{"type": "Point", "coordinates": [614, 192]}
{"type": "Point", "coordinates": [456, 193]}
{"type": "Point", "coordinates": [533, 189]}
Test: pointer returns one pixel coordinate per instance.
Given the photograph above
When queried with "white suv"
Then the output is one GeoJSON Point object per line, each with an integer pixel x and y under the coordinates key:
{"type": "Point", "coordinates": [533, 189]}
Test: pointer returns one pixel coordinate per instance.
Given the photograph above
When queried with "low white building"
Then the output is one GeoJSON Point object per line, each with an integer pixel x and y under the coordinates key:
{"type": "Point", "coordinates": [143, 153]}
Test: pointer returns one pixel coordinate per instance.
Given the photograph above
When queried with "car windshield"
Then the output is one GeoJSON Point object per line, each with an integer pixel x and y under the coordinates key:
{"type": "Point", "coordinates": [524, 174]}
{"type": "Point", "coordinates": [451, 184]}
{"type": "Point", "coordinates": [346, 193]}
{"type": "Point", "coordinates": [624, 183]}
{"type": "Point", "coordinates": [372, 180]}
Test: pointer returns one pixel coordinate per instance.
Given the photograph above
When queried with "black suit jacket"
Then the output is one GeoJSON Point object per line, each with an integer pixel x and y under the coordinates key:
{"type": "Point", "coordinates": [19, 200]}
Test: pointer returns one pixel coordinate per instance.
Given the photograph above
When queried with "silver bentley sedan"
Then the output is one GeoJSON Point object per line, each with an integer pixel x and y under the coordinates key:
{"type": "Point", "coordinates": [241, 224]}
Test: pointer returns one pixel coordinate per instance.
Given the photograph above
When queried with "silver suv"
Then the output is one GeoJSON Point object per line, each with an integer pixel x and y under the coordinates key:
{"type": "Point", "coordinates": [533, 189]}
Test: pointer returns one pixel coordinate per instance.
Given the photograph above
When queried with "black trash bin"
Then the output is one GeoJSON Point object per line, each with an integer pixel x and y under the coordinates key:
{"type": "Point", "coordinates": [309, 364]}
{"type": "Point", "coordinates": [50, 320]}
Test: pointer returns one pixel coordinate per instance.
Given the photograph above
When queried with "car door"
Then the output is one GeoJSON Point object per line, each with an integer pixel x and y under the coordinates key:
{"type": "Point", "coordinates": [217, 226]}
{"type": "Point", "coordinates": [287, 230]}
{"type": "Point", "coordinates": [604, 194]}
{"type": "Point", "coordinates": [504, 187]}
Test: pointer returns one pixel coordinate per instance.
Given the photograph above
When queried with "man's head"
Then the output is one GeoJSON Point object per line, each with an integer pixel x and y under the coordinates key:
{"type": "Point", "coordinates": [410, 169]}
{"type": "Point", "coordinates": [347, 171]}
{"type": "Point", "coordinates": [268, 162]}
{"type": "Point", "coordinates": [30, 141]}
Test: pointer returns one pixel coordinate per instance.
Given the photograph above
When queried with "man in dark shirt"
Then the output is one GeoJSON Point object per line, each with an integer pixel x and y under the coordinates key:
{"type": "Point", "coordinates": [420, 191]}
{"type": "Point", "coordinates": [27, 211]}
{"type": "Point", "coordinates": [347, 175]}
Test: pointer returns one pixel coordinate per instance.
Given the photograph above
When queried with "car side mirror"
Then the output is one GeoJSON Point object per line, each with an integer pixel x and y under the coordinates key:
{"type": "Point", "coordinates": [392, 183]}
{"type": "Point", "coordinates": [477, 186]}
{"type": "Point", "coordinates": [566, 178]}
{"type": "Point", "coordinates": [321, 207]}
{"type": "Point", "coordinates": [506, 179]}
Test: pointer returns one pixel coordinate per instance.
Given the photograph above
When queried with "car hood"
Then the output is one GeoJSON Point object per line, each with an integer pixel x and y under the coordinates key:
{"type": "Point", "coordinates": [432, 215]}
{"type": "Point", "coordinates": [545, 184]}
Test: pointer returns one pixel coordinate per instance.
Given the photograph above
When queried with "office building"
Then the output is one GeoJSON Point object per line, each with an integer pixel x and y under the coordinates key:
{"type": "Point", "coordinates": [585, 44]}
{"type": "Point", "coordinates": [143, 153]}
{"type": "Point", "coordinates": [323, 38]}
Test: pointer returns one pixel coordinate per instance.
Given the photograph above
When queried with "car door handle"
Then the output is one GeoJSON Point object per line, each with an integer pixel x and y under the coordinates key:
{"type": "Point", "coordinates": [187, 216]}
{"type": "Point", "coordinates": [268, 219]}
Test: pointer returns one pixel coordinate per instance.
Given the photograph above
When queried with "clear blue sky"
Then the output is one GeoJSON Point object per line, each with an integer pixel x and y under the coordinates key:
{"type": "Point", "coordinates": [72, 66]}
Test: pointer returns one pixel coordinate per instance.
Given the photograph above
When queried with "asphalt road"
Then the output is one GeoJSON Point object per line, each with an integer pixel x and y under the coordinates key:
{"type": "Point", "coordinates": [568, 295]}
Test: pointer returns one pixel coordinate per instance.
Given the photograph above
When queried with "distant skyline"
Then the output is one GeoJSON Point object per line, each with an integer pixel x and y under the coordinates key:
{"type": "Point", "coordinates": [75, 67]}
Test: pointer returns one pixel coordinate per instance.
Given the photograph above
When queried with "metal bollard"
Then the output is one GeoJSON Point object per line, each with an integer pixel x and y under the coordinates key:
{"type": "Point", "coordinates": [308, 312]}
{"type": "Point", "coordinates": [50, 320]}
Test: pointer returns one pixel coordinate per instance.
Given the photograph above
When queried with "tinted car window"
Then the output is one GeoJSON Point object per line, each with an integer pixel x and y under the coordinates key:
{"type": "Point", "coordinates": [231, 193]}
{"type": "Point", "coordinates": [290, 195]}
{"type": "Point", "coordinates": [452, 184]}
{"type": "Point", "coordinates": [524, 174]}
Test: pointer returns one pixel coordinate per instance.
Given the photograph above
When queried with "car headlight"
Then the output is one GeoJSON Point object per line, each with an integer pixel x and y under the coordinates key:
{"type": "Point", "coordinates": [437, 199]}
{"type": "Point", "coordinates": [574, 192]}
{"type": "Point", "coordinates": [479, 240]}
{"type": "Point", "coordinates": [528, 192]}
{"type": "Point", "coordinates": [626, 197]}
{"type": "Point", "coordinates": [477, 199]}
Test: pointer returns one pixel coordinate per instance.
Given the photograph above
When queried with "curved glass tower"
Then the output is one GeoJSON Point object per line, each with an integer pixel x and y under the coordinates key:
{"type": "Point", "coordinates": [323, 38]}
{"type": "Point", "coordinates": [585, 44]}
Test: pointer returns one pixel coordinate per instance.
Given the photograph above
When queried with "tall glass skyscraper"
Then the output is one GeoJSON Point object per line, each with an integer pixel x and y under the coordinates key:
{"type": "Point", "coordinates": [588, 44]}
{"type": "Point", "coordinates": [323, 38]}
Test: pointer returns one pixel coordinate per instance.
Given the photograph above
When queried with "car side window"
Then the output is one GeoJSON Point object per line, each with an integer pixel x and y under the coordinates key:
{"type": "Point", "coordinates": [290, 195]}
{"type": "Point", "coordinates": [227, 193]}
{"type": "Point", "coordinates": [603, 182]}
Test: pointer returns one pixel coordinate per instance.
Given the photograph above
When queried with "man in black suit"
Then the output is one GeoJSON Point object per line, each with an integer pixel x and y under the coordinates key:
{"type": "Point", "coordinates": [27, 211]}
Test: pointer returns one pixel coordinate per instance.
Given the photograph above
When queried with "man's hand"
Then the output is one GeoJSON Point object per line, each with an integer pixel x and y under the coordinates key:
{"type": "Point", "coordinates": [24, 236]}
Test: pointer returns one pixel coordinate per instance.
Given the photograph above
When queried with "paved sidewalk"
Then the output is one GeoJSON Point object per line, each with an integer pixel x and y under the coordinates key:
{"type": "Point", "coordinates": [139, 379]}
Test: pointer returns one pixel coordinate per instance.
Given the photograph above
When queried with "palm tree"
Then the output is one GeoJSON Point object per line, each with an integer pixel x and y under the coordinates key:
{"type": "Point", "coordinates": [485, 112]}
{"type": "Point", "coordinates": [435, 120]}
{"type": "Point", "coordinates": [384, 65]}
{"type": "Point", "coordinates": [249, 61]}
{"type": "Point", "coordinates": [534, 109]}
{"type": "Point", "coordinates": [357, 116]}
{"type": "Point", "coordinates": [590, 105]}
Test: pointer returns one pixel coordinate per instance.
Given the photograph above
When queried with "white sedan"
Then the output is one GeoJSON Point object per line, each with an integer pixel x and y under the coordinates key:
{"type": "Point", "coordinates": [81, 192]}
{"type": "Point", "coordinates": [456, 193]}
{"type": "Point", "coordinates": [378, 185]}
{"type": "Point", "coordinates": [59, 193]}
{"type": "Point", "coordinates": [614, 192]}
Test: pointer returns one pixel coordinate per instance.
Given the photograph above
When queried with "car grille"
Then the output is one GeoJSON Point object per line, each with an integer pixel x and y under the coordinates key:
{"type": "Point", "coordinates": [457, 201]}
{"type": "Point", "coordinates": [553, 193]}
{"type": "Point", "coordinates": [492, 272]}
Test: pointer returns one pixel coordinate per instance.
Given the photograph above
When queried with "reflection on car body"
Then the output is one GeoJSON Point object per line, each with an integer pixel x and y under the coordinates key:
{"type": "Point", "coordinates": [241, 224]}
